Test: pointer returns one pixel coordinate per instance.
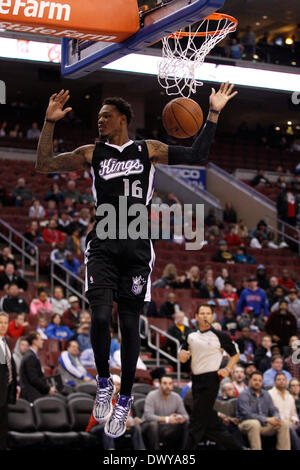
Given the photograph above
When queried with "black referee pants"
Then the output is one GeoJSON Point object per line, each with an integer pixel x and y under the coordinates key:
{"type": "Point", "coordinates": [204, 420]}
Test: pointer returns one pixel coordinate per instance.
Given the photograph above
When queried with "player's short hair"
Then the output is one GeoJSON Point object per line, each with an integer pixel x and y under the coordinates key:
{"type": "Point", "coordinates": [122, 106]}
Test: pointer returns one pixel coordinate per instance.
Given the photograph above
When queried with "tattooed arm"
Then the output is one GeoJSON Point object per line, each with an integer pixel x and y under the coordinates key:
{"type": "Point", "coordinates": [79, 159]}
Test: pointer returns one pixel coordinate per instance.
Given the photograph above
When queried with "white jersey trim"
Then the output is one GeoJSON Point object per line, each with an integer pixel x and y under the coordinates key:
{"type": "Point", "coordinates": [120, 147]}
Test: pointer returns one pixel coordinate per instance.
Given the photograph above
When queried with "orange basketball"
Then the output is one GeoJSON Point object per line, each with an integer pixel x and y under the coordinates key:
{"type": "Point", "coordinates": [182, 118]}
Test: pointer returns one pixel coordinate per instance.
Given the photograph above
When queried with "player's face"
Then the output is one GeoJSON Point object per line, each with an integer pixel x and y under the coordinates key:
{"type": "Point", "coordinates": [110, 120]}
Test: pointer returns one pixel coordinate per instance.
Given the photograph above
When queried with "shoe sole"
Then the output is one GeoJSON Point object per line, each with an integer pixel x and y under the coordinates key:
{"type": "Point", "coordinates": [113, 435]}
{"type": "Point", "coordinates": [110, 410]}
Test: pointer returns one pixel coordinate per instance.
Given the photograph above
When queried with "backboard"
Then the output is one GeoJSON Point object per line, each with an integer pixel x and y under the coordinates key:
{"type": "Point", "coordinates": [81, 57]}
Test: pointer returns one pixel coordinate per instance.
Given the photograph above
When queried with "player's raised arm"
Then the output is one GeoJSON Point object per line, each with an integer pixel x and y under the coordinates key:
{"type": "Point", "coordinates": [77, 160]}
{"type": "Point", "coordinates": [198, 153]}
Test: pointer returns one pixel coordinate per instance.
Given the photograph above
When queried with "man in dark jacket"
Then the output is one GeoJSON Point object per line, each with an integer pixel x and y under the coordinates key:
{"type": "Point", "coordinates": [247, 345]}
{"type": "Point", "coordinates": [9, 276]}
{"type": "Point", "coordinates": [223, 255]}
{"type": "Point", "coordinates": [261, 276]}
{"type": "Point", "coordinates": [32, 380]}
{"type": "Point", "coordinates": [8, 380]}
{"type": "Point", "coordinates": [282, 324]}
{"type": "Point", "coordinates": [12, 302]}
{"type": "Point", "coordinates": [168, 308]}
{"type": "Point", "coordinates": [263, 354]}
{"type": "Point", "coordinates": [71, 317]}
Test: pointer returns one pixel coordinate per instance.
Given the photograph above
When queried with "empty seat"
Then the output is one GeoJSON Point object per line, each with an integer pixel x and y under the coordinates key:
{"type": "Point", "coordinates": [138, 407]}
{"type": "Point", "coordinates": [86, 388]}
{"type": "Point", "coordinates": [80, 409]}
{"type": "Point", "coordinates": [142, 388]}
{"type": "Point", "coordinates": [22, 429]}
{"type": "Point", "coordinates": [52, 419]}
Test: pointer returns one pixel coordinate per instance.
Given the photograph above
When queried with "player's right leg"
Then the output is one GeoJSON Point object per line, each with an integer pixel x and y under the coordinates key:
{"type": "Point", "coordinates": [101, 276]}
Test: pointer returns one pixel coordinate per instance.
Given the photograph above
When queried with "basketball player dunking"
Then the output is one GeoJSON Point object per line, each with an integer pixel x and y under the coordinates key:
{"type": "Point", "coordinates": [119, 269]}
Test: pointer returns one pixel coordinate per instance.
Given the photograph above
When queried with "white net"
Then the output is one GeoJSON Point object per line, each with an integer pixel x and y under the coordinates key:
{"type": "Point", "coordinates": [183, 55]}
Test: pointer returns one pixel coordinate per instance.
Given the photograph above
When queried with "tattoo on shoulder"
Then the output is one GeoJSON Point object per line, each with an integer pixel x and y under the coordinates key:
{"type": "Point", "coordinates": [157, 150]}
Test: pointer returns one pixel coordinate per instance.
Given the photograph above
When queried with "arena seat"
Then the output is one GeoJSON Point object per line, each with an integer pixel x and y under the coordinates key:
{"type": "Point", "coordinates": [52, 419]}
{"type": "Point", "coordinates": [21, 427]}
{"type": "Point", "coordinates": [80, 411]}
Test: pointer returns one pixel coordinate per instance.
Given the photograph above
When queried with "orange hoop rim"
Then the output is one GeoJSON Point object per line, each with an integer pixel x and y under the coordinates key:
{"type": "Point", "coordinates": [214, 17]}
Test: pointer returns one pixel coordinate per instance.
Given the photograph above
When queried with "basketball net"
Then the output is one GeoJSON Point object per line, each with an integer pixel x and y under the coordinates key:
{"type": "Point", "coordinates": [180, 59]}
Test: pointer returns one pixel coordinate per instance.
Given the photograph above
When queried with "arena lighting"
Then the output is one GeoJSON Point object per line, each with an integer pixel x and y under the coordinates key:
{"type": "Point", "coordinates": [30, 50]}
{"type": "Point", "coordinates": [251, 77]}
{"type": "Point", "coordinates": [289, 123]}
{"type": "Point", "coordinates": [277, 128]}
{"type": "Point", "coordinates": [289, 41]}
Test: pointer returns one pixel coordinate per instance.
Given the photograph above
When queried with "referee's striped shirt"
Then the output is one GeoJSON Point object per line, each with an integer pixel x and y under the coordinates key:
{"type": "Point", "coordinates": [207, 349]}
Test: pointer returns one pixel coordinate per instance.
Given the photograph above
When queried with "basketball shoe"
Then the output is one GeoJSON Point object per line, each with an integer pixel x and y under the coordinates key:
{"type": "Point", "coordinates": [116, 424]}
{"type": "Point", "coordinates": [103, 401]}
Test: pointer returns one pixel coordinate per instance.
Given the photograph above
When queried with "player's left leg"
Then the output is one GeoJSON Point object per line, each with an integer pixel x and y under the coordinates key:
{"type": "Point", "coordinates": [129, 313]}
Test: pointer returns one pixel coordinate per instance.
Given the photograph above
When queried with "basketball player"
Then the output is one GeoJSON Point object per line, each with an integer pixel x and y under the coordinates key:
{"type": "Point", "coordinates": [119, 269]}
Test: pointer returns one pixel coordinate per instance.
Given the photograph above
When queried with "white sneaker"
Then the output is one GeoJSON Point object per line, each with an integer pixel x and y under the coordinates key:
{"type": "Point", "coordinates": [103, 401]}
{"type": "Point", "coordinates": [116, 424]}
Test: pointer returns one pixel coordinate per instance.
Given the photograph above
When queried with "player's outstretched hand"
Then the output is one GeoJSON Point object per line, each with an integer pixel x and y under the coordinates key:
{"type": "Point", "coordinates": [219, 99]}
{"type": "Point", "coordinates": [55, 110]}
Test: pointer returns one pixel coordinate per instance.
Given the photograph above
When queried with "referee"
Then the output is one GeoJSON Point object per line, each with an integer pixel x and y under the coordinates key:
{"type": "Point", "coordinates": [205, 349]}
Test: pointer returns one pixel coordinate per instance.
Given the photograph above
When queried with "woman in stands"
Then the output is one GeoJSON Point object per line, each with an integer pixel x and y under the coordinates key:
{"type": "Point", "coordinates": [56, 330]}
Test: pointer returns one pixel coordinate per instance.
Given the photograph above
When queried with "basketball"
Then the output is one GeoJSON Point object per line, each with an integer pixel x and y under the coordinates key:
{"type": "Point", "coordinates": [182, 118]}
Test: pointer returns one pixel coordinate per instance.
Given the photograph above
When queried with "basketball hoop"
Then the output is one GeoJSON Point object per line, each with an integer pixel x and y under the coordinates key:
{"type": "Point", "coordinates": [180, 60]}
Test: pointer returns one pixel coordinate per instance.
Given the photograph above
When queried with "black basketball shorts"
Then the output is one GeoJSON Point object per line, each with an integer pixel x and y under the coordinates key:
{"type": "Point", "coordinates": [121, 265]}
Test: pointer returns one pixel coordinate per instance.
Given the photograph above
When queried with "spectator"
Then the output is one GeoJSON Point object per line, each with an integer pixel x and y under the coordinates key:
{"type": "Point", "coordinates": [229, 214]}
{"type": "Point", "coordinates": [8, 276]}
{"type": "Point", "coordinates": [286, 406]}
{"type": "Point", "coordinates": [285, 281]}
{"type": "Point", "coordinates": [51, 210]}
{"type": "Point", "coordinates": [55, 194]}
{"type": "Point", "coordinates": [73, 242]}
{"type": "Point", "coordinates": [261, 277]}
{"type": "Point", "coordinates": [33, 234]}
{"type": "Point", "coordinates": [133, 429]}
{"type": "Point", "coordinates": [249, 42]}
{"type": "Point", "coordinates": [223, 255]}
{"type": "Point", "coordinates": [51, 235]}
{"type": "Point", "coordinates": [36, 211]}
{"type": "Point", "coordinates": [179, 331]}
{"type": "Point", "coordinates": [22, 193]}
{"type": "Point", "coordinates": [20, 350]}
{"type": "Point", "coordinates": [220, 281]}
{"type": "Point", "coordinates": [83, 336]}
{"type": "Point", "coordinates": [282, 324]}
{"type": "Point", "coordinates": [32, 380]}
{"type": "Point", "coordinates": [16, 326]}
{"type": "Point", "coordinates": [242, 229]}
{"type": "Point", "coordinates": [165, 418]}
{"type": "Point", "coordinates": [238, 379]}
{"type": "Point", "coordinates": [258, 416]}
{"type": "Point", "coordinates": [68, 207]}
{"type": "Point", "coordinates": [208, 290]}
{"type": "Point", "coordinates": [59, 254]}
{"type": "Point", "coordinates": [260, 179]}
{"type": "Point", "coordinates": [235, 49]}
{"type": "Point", "coordinates": [192, 279]}
{"type": "Point", "coordinates": [6, 257]}
{"type": "Point", "coordinates": [210, 219]}
{"type": "Point", "coordinates": [13, 302]}
{"type": "Point", "coordinates": [87, 197]}
{"type": "Point", "coordinates": [115, 361]}
{"type": "Point", "coordinates": [228, 322]}
{"type": "Point", "coordinates": [64, 222]}
{"type": "Point", "coordinates": [249, 368]}
{"type": "Point", "coordinates": [241, 256]}
{"type": "Point", "coordinates": [232, 238]}
{"type": "Point", "coordinates": [72, 264]}
{"type": "Point", "coordinates": [33, 132]}
{"type": "Point", "coordinates": [293, 304]}
{"type": "Point", "coordinates": [42, 304]}
{"type": "Point", "coordinates": [84, 218]}
{"type": "Point", "coordinates": [258, 241]}
{"type": "Point", "coordinates": [169, 277]}
{"type": "Point", "coordinates": [263, 354]}
{"type": "Point", "coordinates": [168, 308]}
{"type": "Point", "coordinates": [243, 285]}
{"type": "Point", "coordinates": [255, 298]}
{"type": "Point", "coordinates": [16, 132]}
{"type": "Point", "coordinates": [273, 284]}
{"type": "Point", "coordinates": [42, 326]}
{"type": "Point", "coordinates": [262, 229]}
{"type": "Point", "coordinates": [286, 205]}
{"type": "Point", "coordinates": [71, 316]}
{"type": "Point", "coordinates": [247, 345]}
{"type": "Point", "coordinates": [58, 302]}
{"type": "Point", "coordinates": [278, 295]}
{"type": "Point", "coordinates": [72, 193]}
{"type": "Point", "coordinates": [228, 292]}
{"type": "Point", "coordinates": [270, 374]}
{"type": "Point", "coordinates": [56, 330]}
{"type": "Point", "coordinates": [70, 368]}
{"type": "Point", "coordinates": [294, 389]}
{"type": "Point", "coordinates": [3, 129]}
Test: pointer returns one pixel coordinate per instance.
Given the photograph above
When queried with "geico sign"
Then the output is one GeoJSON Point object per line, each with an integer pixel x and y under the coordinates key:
{"type": "Point", "coordinates": [193, 174]}
{"type": "Point", "coordinates": [35, 9]}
